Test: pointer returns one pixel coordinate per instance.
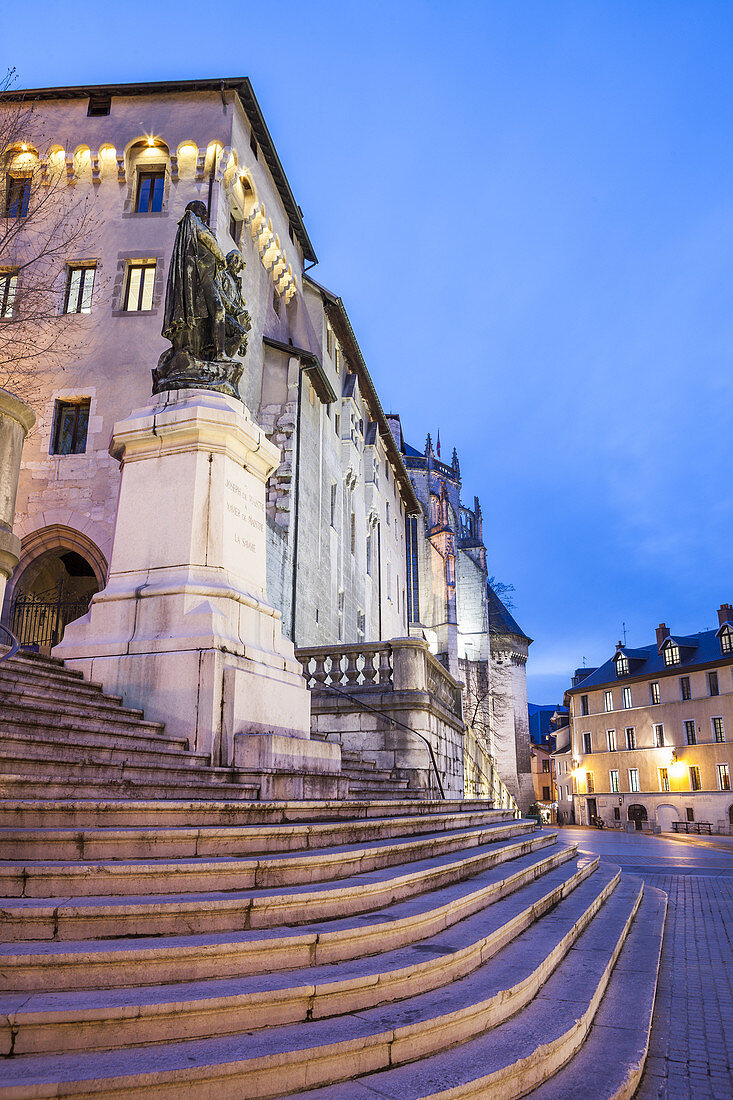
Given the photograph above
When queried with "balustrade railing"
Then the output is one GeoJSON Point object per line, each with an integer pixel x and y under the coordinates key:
{"type": "Point", "coordinates": [352, 666]}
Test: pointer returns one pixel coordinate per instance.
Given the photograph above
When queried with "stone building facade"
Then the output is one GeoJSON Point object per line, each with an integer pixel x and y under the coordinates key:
{"type": "Point", "coordinates": [651, 734]}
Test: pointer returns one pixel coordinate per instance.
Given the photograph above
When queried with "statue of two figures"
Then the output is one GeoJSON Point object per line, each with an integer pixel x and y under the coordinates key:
{"type": "Point", "coordinates": [206, 319]}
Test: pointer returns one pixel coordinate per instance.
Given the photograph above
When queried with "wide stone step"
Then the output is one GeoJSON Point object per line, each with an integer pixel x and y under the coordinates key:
{"type": "Point", "coordinates": [80, 749]}
{"type": "Point", "coordinates": [21, 685]}
{"type": "Point", "coordinates": [74, 699]}
{"type": "Point", "coordinates": [20, 787]}
{"type": "Point", "coordinates": [45, 879]}
{"type": "Point", "coordinates": [18, 717]}
{"type": "Point", "coordinates": [613, 1055]}
{"type": "Point", "coordinates": [118, 963]}
{"type": "Point", "coordinates": [168, 914]}
{"type": "Point", "coordinates": [286, 1059]}
{"type": "Point", "coordinates": [149, 814]}
{"type": "Point", "coordinates": [97, 1020]}
{"type": "Point", "coordinates": [169, 768]}
{"type": "Point", "coordinates": [133, 738]}
{"type": "Point", "coordinates": [211, 840]}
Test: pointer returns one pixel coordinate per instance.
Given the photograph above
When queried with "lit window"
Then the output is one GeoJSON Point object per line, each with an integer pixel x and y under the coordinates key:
{"type": "Point", "coordinates": [627, 698]}
{"type": "Point", "coordinates": [685, 687]}
{"type": "Point", "coordinates": [713, 688]}
{"type": "Point", "coordinates": [149, 192]}
{"type": "Point", "coordinates": [671, 654]}
{"type": "Point", "coordinates": [634, 780]}
{"type": "Point", "coordinates": [695, 782]}
{"type": "Point", "coordinates": [584, 704]}
{"type": "Point", "coordinates": [590, 783]}
{"type": "Point", "coordinates": [663, 779]}
{"type": "Point", "coordinates": [690, 733]}
{"type": "Point", "coordinates": [630, 737]}
{"type": "Point", "coordinates": [71, 420]}
{"type": "Point", "coordinates": [622, 665]}
{"type": "Point", "coordinates": [79, 287]}
{"type": "Point", "coordinates": [654, 692]}
{"type": "Point", "coordinates": [718, 729]}
{"type": "Point", "coordinates": [8, 288]}
{"type": "Point", "coordinates": [17, 196]}
{"type": "Point", "coordinates": [139, 289]}
{"type": "Point", "coordinates": [723, 771]}
{"type": "Point", "coordinates": [545, 765]}
{"type": "Point", "coordinates": [726, 640]}
{"type": "Point", "coordinates": [613, 774]}
{"type": "Point", "coordinates": [586, 743]}
{"type": "Point", "coordinates": [611, 739]}
{"type": "Point", "coordinates": [659, 736]}
{"type": "Point", "coordinates": [608, 700]}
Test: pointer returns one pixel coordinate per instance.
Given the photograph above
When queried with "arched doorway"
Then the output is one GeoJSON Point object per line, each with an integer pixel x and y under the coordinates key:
{"type": "Point", "coordinates": [59, 571]}
{"type": "Point", "coordinates": [637, 814]}
{"type": "Point", "coordinates": [666, 814]}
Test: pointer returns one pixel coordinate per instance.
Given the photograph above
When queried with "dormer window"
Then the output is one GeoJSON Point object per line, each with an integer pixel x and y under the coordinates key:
{"type": "Point", "coordinates": [726, 640]}
{"type": "Point", "coordinates": [622, 665]}
{"type": "Point", "coordinates": [671, 654]}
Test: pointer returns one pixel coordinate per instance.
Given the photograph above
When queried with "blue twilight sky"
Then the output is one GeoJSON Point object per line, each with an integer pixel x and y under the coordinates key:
{"type": "Point", "coordinates": [528, 210]}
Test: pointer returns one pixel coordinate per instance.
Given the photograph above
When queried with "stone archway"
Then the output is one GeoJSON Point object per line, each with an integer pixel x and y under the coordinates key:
{"type": "Point", "coordinates": [666, 814]}
{"type": "Point", "coordinates": [59, 571]}
{"type": "Point", "coordinates": [637, 814]}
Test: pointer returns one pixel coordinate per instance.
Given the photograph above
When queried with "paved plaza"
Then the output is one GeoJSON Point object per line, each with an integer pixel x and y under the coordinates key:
{"type": "Point", "coordinates": [691, 1050]}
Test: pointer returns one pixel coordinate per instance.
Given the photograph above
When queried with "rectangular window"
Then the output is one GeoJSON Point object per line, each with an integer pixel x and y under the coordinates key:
{"type": "Point", "coordinates": [695, 783]}
{"type": "Point", "coordinates": [17, 196]}
{"type": "Point", "coordinates": [79, 287]}
{"type": "Point", "coordinates": [586, 743]}
{"type": "Point", "coordinates": [663, 779]}
{"type": "Point", "coordinates": [337, 424]}
{"type": "Point", "coordinates": [633, 780]}
{"type": "Point", "coordinates": [622, 666]}
{"type": "Point", "coordinates": [235, 229]}
{"type": "Point", "coordinates": [630, 737]}
{"type": "Point", "coordinates": [611, 740]}
{"type": "Point", "coordinates": [545, 794]}
{"type": "Point", "coordinates": [627, 698]}
{"type": "Point", "coordinates": [8, 288]}
{"type": "Point", "coordinates": [726, 641]}
{"type": "Point", "coordinates": [713, 688]}
{"type": "Point", "coordinates": [616, 813]}
{"type": "Point", "coordinates": [672, 654]}
{"type": "Point", "coordinates": [718, 729]}
{"type": "Point", "coordinates": [149, 192]}
{"type": "Point", "coordinates": [613, 775]}
{"type": "Point", "coordinates": [723, 771]}
{"type": "Point", "coordinates": [139, 288]}
{"type": "Point", "coordinates": [334, 491]}
{"type": "Point", "coordinates": [71, 420]}
{"type": "Point", "coordinates": [584, 704]}
{"type": "Point", "coordinates": [659, 736]}
{"type": "Point", "coordinates": [608, 700]}
{"type": "Point", "coordinates": [411, 552]}
{"type": "Point", "coordinates": [654, 692]}
{"type": "Point", "coordinates": [685, 687]}
{"type": "Point", "coordinates": [99, 104]}
{"type": "Point", "coordinates": [329, 339]}
{"type": "Point", "coordinates": [690, 733]}
{"type": "Point", "coordinates": [545, 765]}
{"type": "Point", "coordinates": [689, 813]}
{"type": "Point", "coordinates": [590, 783]}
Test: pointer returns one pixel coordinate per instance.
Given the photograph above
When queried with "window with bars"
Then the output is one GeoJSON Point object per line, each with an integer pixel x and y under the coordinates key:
{"type": "Point", "coordinates": [150, 192]}
{"type": "Point", "coordinates": [79, 287]}
{"type": "Point", "coordinates": [139, 287]}
{"type": "Point", "coordinates": [718, 729]}
{"type": "Point", "coordinates": [71, 420]}
{"type": "Point", "coordinates": [17, 196]}
{"type": "Point", "coordinates": [630, 737]}
{"type": "Point", "coordinates": [690, 733]}
{"type": "Point", "coordinates": [695, 781]}
{"type": "Point", "coordinates": [723, 771]}
{"type": "Point", "coordinates": [654, 691]}
{"type": "Point", "coordinates": [685, 688]}
{"type": "Point", "coordinates": [8, 290]}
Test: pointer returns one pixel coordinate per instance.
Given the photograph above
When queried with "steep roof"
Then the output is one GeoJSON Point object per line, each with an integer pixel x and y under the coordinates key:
{"type": "Point", "coordinates": [243, 88]}
{"type": "Point", "coordinates": [696, 651]}
{"type": "Point", "coordinates": [500, 620]}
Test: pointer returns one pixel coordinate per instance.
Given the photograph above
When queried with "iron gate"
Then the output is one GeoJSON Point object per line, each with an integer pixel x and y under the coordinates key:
{"type": "Point", "coordinates": [39, 621]}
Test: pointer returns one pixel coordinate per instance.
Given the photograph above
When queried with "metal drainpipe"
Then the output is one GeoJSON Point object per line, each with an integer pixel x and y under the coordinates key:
{"type": "Point", "coordinates": [296, 506]}
{"type": "Point", "coordinates": [379, 576]}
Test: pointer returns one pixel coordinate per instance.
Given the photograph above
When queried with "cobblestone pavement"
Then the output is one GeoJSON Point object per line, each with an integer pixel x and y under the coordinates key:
{"type": "Point", "coordinates": [691, 1048]}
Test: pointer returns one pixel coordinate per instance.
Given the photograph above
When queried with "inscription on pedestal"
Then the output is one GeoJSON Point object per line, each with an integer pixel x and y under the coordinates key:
{"type": "Point", "coordinates": [245, 513]}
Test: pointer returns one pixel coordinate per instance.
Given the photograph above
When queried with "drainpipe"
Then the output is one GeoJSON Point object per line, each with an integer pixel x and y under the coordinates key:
{"type": "Point", "coordinates": [296, 504]}
{"type": "Point", "coordinates": [379, 576]}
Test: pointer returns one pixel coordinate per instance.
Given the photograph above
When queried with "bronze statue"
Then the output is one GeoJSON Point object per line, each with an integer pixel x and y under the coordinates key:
{"type": "Point", "coordinates": [205, 317]}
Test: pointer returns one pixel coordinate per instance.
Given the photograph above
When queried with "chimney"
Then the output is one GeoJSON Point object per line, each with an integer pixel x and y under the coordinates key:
{"type": "Point", "coordinates": [662, 635]}
{"type": "Point", "coordinates": [619, 645]}
{"type": "Point", "coordinates": [725, 614]}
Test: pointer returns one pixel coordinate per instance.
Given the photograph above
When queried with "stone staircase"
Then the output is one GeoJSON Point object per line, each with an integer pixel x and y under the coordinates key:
{"type": "Point", "coordinates": [204, 944]}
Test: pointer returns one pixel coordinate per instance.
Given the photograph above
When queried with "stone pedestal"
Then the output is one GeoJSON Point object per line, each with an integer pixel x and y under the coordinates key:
{"type": "Point", "coordinates": [183, 628]}
{"type": "Point", "coordinates": [16, 420]}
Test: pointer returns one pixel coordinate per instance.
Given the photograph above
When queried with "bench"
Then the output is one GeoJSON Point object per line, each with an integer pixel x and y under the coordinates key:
{"type": "Point", "coordinates": [692, 827]}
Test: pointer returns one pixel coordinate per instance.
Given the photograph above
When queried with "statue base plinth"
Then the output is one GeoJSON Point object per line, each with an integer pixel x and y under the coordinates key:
{"type": "Point", "coordinates": [183, 628]}
{"type": "Point", "coordinates": [180, 369]}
